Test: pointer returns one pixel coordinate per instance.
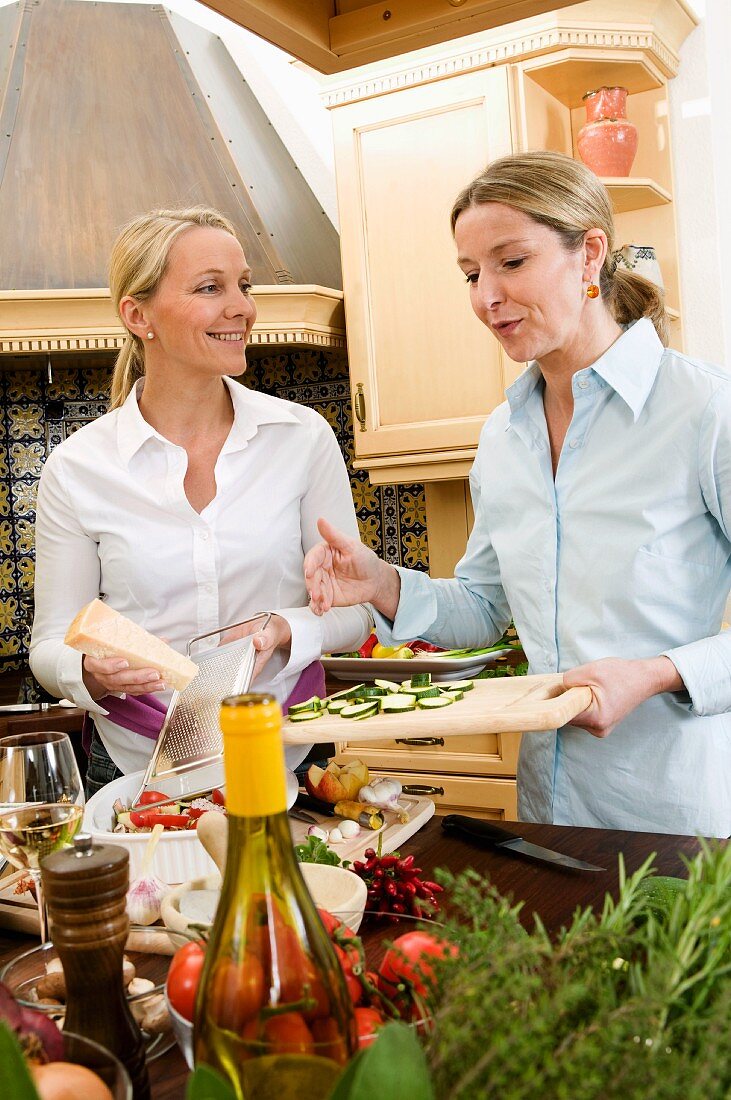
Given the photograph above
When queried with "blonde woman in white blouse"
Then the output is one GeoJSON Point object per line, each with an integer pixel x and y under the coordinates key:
{"type": "Point", "coordinates": [189, 505]}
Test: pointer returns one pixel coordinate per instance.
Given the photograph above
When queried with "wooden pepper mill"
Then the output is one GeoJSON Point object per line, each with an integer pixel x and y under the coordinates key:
{"type": "Point", "coordinates": [86, 892]}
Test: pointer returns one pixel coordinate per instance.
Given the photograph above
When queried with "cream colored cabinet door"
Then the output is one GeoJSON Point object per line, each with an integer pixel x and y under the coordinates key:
{"type": "Point", "coordinates": [428, 371]}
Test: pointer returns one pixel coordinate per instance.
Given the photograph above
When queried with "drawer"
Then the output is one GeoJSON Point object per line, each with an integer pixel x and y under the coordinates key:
{"type": "Point", "coordinates": [496, 799]}
{"type": "Point", "coordinates": [485, 754]}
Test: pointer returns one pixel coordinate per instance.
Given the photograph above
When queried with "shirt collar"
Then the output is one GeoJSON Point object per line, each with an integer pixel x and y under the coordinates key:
{"type": "Point", "coordinates": [251, 410]}
{"type": "Point", "coordinates": [629, 366]}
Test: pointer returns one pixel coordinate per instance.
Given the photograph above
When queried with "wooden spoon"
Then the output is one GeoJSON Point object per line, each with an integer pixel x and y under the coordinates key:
{"type": "Point", "coordinates": [212, 832]}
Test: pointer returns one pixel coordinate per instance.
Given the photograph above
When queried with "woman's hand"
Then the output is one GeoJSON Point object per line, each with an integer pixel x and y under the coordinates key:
{"type": "Point", "coordinates": [341, 572]}
{"type": "Point", "coordinates": [618, 686]}
{"type": "Point", "coordinates": [113, 676]}
{"type": "Point", "coordinates": [277, 634]}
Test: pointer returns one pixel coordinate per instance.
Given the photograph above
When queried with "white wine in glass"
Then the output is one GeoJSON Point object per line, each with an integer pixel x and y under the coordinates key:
{"type": "Point", "coordinates": [33, 831]}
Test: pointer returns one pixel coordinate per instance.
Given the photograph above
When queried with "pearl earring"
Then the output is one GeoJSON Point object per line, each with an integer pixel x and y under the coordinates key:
{"type": "Point", "coordinates": [151, 336]}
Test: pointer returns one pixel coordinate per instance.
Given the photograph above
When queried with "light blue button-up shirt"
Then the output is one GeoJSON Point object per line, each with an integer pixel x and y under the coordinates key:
{"type": "Point", "coordinates": [627, 553]}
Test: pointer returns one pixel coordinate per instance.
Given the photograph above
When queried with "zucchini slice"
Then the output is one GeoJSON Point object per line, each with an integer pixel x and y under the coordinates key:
{"type": "Point", "coordinates": [389, 686]}
{"type": "Point", "coordinates": [459, 685]}
{"type": "Point", "coordinates": [314, 703]}
{"type": "Point", "coordinates": [421, 679]}
{"type": "Point", "coordinates": [305, 715]}
{"type": "Point", "coordinates": [395, 704]}
{"type": "Point", "coordinates": [435, 704]}
{"type": "Point", "coordinates": [360, 710]}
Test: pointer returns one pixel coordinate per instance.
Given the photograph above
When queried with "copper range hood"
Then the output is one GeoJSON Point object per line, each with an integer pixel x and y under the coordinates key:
{"type": "Point", "coordinates": [108, 110]}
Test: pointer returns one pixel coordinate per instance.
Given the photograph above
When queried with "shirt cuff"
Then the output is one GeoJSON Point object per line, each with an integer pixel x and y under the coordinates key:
{"type": "Point", "coordinates": [416, 612]}
{"type": "Point", "coordinates": [705, 668]}
{"type": "Point", "coordinates": [306, 643]}
{"type": "Point", "coordinates": [70, 678]}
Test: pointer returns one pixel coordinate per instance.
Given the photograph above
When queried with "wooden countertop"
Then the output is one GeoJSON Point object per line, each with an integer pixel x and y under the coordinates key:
{"type": "Point", "coordinates": [550, 891]}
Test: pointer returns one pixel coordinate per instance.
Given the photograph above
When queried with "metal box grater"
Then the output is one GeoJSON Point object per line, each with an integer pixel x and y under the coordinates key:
{"type": "Point", "coordinates": [189, 749]}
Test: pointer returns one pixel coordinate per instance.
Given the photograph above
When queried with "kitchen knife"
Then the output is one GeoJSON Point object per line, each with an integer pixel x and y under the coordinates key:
{"type": "Point", "coordinates": [24, 708]}
{"type": "Point", "coordinates": [300, 815]}
{"type": "Point", "coordinates": [485, 832]}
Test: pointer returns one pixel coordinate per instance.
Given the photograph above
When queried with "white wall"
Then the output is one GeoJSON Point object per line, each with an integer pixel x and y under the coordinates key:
{"type": "Point", "coordinates": [701, 130]}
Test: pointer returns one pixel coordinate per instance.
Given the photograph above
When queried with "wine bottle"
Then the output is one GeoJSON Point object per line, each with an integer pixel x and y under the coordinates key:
{"type": "Point", "coordinates": [273, 1015]}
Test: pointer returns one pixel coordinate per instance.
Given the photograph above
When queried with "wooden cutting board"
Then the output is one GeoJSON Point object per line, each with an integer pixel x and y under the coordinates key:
{"type": "Point", "coordinates": [513, 704]}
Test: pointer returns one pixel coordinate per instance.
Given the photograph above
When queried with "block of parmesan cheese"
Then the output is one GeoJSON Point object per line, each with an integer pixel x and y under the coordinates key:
{"type": "Point", "coordinates": [101, 631]}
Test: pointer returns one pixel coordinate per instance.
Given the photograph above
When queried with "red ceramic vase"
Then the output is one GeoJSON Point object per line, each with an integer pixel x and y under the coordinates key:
{"type": "Point", "coordinates": [607, 143]}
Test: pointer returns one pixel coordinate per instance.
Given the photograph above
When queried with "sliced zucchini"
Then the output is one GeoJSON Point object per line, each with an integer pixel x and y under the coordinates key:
{"type": "Point", "coordinates": [305, 715]}
{"type": "Point", "coordinates": [459, 685]}
{"type": "Point", "coordinates": [429, 692]}
{"type": "Point", "coordinates": [346, 693]}
{"type": "Point", "coordinates": [421, 679]}
{"type": "Point", "coordinates": [389, 686]}
{"type": "Point", "coordinates": [360, 710]}
{"type": "Point", "coordinates": [393, 704]}
{"type": "Point", "coordinates": [455, 696]}
{"type": "Point", "coordinates": [435, 704]}
{"type": "Point", "coordinates": [335, 706]}
{"type": "Point", "coordinates": [314, 703]}
{"type": "Point", "coordinates": [372, 691]}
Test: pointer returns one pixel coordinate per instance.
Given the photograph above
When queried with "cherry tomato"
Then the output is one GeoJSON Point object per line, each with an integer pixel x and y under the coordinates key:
{"type": "Point", "coordinates": [368, 1021]}
{"type": "Point", "coordinates": [407, 961]}
{"type": "Point", "coordinates": [352, 983]}
{"type": "Point", "coordinates": [237, 991]}
{"type": "Point", "coordinates": [183, 977]}
{"type": "Point", "coordinates": [218, 797]}
{"type": "Point", "coordinates": [329, 1042]}
{"type": "Point", "coordinates": [287, 1034]}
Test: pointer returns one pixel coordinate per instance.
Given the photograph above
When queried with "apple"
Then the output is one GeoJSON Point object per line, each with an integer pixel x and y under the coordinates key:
{"type": "Point", "coordinates": [337, 782]}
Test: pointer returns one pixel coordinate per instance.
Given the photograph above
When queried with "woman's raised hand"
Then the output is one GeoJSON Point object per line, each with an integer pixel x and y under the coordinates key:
{"type": "Point", "coordinates": [341, 571]}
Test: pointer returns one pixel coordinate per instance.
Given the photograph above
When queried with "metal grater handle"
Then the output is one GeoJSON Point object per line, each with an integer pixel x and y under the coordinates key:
{"type": "Point", "coordinates": [232, 626]}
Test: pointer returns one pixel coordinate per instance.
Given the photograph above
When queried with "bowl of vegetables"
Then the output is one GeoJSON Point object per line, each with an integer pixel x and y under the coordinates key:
{"type": "Point", "coordinates": [390, 970]}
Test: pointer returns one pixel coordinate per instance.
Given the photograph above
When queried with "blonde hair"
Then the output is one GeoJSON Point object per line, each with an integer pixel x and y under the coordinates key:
{"type": "Point", "coordinates": [138, 262]}
{"type": "Point", "coordinates": [565, 195]}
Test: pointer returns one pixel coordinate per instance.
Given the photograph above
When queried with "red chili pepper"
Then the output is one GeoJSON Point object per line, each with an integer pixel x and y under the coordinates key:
{"type": "Point", "coordinates": [367, 648]}
{"type": "Point", "coordinates": [147, 819]}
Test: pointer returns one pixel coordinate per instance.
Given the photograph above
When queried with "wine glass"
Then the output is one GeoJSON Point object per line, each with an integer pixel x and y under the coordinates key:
{"type": "Point", "coordinates": [30, 832]}
{"type": "Point", "coordinates": [38, 767]}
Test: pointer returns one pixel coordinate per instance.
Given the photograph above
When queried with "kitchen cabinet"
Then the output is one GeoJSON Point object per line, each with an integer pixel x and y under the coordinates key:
{"type": "Point", "coordinates": [408, 135]}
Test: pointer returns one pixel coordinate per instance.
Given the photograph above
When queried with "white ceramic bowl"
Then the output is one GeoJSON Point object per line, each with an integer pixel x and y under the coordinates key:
{"type": "Point", "coordinates": [341, 892]}
{"type": "Point", "coordinates": [179, 856]}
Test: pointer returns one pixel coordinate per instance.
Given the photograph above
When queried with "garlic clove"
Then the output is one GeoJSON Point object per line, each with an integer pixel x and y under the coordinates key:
{"type": "Point", "coordinates": [315, 830]}
{"type": "Point", "coordinates": [348, 829]}
{"type": "Point", "coordinates": [336, 835]}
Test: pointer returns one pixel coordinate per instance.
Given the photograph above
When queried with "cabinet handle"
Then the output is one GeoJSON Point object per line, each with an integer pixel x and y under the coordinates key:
{"type": "Point", "coordinates": [419, 740]}
{"type": "Point", "coordinates": [360, 407]}
{"type": "Point", "coordinates": [416, 788]}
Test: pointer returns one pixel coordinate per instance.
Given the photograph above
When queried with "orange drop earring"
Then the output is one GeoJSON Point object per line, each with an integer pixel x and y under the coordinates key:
{"type": "Point", "coordinates": [592, 291]}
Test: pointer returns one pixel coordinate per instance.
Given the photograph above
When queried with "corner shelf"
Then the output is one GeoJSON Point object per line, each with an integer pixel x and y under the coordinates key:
{"type": "Point", "coordinates": [569, 76]}
{"type": "Point", "coordinates": [638, 193]}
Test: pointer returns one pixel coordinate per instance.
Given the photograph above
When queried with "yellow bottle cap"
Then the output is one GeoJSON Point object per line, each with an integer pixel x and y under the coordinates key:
{"type": "Point", "coordinates": [253, 755]}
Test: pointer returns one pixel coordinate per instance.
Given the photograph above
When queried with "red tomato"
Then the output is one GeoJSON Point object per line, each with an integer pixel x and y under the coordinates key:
{"type": "Point", "coordinates": [183, 977]}
{"type": "Point", "coordinates": [237, 991]}
{"type": "Point", "coordinates": [407, 961]}
{"type": "Point", "coordinates": [287, 1034]}
{"type": "Point", "coordinates": [218, 797]}
{"type": "Point", "coordinates": [149, 798]}
{"type": "Point", "coordinates": [329, 1042]}
{"type": "Point", "coordinates": [331, 922]}
{"type": "Point", "coordinates": [147, 819]}
{"type": "Point", "coordinates": [368, 1021]}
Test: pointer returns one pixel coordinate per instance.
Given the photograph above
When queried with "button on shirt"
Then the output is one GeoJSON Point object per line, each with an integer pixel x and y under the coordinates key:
{"type": "Point", "coordinates": [626, 554]}
{"type": "Point", "coordinates": [113, 519]}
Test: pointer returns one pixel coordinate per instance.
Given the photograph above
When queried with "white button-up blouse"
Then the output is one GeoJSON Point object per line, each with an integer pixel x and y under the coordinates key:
{"type": "Point", "coordinates": [113, 520]}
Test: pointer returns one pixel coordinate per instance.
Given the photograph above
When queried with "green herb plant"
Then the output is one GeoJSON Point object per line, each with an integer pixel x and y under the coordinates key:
{"type": "Point", "coordinates": [315, 850]}
{"type": "Point", "coordinates": [631, 1003]}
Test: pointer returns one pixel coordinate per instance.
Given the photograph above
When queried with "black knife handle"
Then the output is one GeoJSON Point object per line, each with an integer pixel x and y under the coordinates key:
{"type": "Point", "coordinates": [477, 829]}
{"type": "Point", "coordinates": [307, 802]}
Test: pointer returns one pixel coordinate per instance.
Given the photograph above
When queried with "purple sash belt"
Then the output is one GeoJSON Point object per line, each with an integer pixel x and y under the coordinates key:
{"type": "Point", "coordinates": [145, 714]}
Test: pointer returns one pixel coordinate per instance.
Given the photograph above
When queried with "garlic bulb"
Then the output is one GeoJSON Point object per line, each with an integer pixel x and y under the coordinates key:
{"type": "Point", "coordinates": [145, 895]}
{"type": "Point", "coordinates": [384, 793]}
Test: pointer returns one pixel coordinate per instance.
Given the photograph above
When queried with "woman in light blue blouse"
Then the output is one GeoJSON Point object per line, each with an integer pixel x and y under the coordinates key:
{"type": "Point", "coordinates": [602, 498]}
